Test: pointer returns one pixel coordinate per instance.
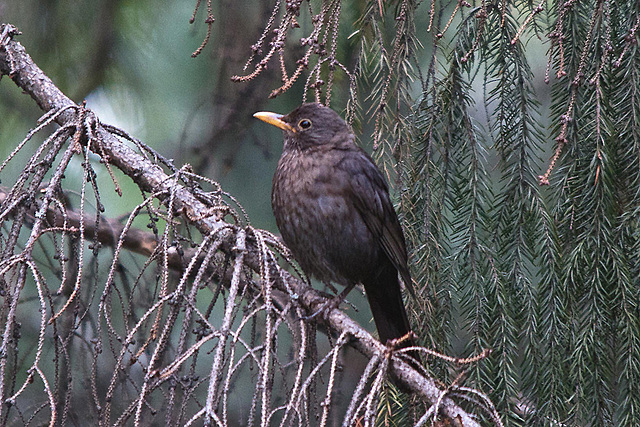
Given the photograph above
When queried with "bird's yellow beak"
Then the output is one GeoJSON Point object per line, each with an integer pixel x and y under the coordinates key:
{"type": "Point", "coordinates": [274, 119]}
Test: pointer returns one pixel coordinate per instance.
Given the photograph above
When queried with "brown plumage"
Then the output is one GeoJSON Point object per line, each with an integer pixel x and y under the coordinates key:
{"type": "Point", "coordinates": [333, 210]}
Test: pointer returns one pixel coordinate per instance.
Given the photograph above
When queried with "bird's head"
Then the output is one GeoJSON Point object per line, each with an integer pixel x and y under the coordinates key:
{"type": "Point", "coordinates": [310, 125]}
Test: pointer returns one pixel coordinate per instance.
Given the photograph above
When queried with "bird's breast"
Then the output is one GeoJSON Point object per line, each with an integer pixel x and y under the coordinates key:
{"type": "Point", "coordinates": [313, 204]}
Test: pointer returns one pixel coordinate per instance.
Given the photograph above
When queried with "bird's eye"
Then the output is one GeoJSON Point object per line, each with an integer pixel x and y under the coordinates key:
{"type": "Point", "coordinates": [304, 124]}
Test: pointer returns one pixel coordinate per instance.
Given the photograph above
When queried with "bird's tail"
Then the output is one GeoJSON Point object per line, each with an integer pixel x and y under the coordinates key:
{"type": "Point", "coordinates": [385, 300]}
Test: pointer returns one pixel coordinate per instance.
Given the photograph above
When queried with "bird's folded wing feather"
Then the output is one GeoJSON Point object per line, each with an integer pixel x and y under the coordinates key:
{"type": "Point", "coordinates": [371, 195]}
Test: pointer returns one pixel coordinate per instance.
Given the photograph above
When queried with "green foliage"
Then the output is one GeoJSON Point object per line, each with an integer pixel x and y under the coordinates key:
{"type": "Point", "coordinates": [393, 408]}
{"type": "Point", "coordinates": [452, 95]}
{"type": "Point", "coordinates": [544, 277]}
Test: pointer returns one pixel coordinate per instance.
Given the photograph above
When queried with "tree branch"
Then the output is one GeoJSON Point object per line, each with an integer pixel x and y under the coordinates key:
{"type": "Point", "coordinates": [18, 65]}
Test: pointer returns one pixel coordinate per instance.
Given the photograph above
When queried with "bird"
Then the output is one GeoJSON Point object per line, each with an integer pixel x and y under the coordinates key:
{"type": "Point", "coordinates": [332, 207]}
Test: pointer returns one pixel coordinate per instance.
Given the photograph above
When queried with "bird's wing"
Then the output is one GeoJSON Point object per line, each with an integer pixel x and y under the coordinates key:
{"type": "Point", "coordinates": [371, 195]}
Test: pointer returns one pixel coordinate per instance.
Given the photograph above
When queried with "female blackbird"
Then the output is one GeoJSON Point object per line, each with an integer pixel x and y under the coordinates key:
{"type": "Point", "coordinates": [332, 206]}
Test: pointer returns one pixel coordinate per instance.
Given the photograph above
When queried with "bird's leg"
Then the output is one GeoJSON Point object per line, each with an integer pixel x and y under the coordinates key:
{"type": "Point", "coordinates": [331, 287]}
{"type": "Point", "coordinates": [332, 302]}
